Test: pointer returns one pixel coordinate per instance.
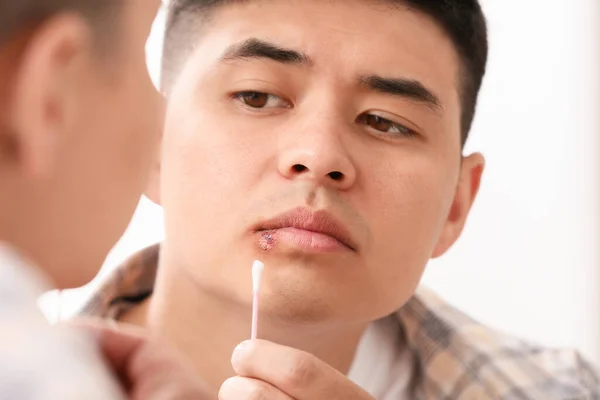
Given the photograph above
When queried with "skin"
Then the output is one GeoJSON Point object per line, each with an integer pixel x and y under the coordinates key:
{"type": "Point", "coordinates": [230, 161]}
{"type": "Point", "coordinates": [78, 131]}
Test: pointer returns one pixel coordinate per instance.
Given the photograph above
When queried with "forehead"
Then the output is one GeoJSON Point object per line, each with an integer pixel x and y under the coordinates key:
{"type": "Point", "coordinates": [342, 38]}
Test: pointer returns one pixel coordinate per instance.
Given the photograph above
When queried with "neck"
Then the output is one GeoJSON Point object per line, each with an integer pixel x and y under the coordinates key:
{"type": "Point", "coordinates": [14, 225]}
{"type": "Point", "coordinates": [19, 227]}
{"type": "Point", "coordinates": [37, 225]}
{"type": "Point", "coordinates": [207, 328]}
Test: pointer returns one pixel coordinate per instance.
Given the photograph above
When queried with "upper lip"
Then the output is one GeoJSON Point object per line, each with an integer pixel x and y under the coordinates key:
{"type": "Point", "coordinates": [313, 221]}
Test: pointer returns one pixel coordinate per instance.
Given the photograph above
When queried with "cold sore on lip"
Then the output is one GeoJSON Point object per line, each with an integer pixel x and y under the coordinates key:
{"type": "Point", "coordinates": [266, 241]}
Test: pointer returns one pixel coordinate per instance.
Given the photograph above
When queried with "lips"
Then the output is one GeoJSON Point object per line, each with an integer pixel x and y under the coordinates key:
{"type": "Point", "coordinates": [311, 230]}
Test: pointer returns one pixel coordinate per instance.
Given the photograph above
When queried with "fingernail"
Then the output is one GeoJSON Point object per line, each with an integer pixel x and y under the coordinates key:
{"type": "Point", "coordinates": [239, 351]}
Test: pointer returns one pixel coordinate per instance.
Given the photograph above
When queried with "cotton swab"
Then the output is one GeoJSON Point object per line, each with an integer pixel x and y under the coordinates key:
{"type": "Point", "coordinates": [257, 270]}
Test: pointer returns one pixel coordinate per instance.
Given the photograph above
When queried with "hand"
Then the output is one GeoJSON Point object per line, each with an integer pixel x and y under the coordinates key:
{"type": "Point", "coordinates": [272, 372]}
{"type": "Point", "coordinates": [148, 370]}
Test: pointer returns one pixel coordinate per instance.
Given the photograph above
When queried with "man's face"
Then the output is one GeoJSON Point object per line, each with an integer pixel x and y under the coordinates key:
{"type": "Point", "coordinates": [343, 119]}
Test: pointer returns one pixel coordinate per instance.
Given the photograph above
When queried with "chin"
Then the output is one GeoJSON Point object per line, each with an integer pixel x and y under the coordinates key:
{"type": "Point", "coordinates": [295, 307]}
{"type": "Point", "coordinates": [305, 296]}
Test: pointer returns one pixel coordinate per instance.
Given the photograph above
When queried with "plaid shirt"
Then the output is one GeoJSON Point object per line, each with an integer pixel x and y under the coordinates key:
{"type": "Point", "coordinates": [457, 358]}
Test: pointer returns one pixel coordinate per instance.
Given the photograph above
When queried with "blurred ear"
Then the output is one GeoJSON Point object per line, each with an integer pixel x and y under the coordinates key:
{"type": "Point", "coordinates": [42, 101]}
{"type": "Point", "coordinates": [466, 192]}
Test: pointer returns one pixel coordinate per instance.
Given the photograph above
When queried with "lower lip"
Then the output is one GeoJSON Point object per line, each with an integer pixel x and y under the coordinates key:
{"type": "Point", "coordinates": [301, 239]}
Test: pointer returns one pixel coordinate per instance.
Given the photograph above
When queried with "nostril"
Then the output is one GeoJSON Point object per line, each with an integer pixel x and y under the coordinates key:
{"type": "Point", "coordinates": [336, 175]}
{"type": "Point", "coordinates": [299, 168]}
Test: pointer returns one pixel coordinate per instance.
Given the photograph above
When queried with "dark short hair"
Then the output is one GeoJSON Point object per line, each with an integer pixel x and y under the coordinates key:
{"type": "Point", "coordinates": [16, 15]}
{"type": "Point", "coordinates": [462, 20]}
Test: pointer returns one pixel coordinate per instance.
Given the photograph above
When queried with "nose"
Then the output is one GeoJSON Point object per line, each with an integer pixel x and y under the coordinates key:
{"type": "Point", "coordinates": [319, 156]}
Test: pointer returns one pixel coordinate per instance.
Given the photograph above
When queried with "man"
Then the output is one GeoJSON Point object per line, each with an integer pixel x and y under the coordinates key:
{"type": "Point", "coordinates": [323, 138]}
{"type": "Point", "coordinates": [79, 121]}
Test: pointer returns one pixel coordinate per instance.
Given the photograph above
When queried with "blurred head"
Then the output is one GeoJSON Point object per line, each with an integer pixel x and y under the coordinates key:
{"type": "Point", "coordinates": [323, 138]}
{"type": "Point", "coordinates": [80, 120]}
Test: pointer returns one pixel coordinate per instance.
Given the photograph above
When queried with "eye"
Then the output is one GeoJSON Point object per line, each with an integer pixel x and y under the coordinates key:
{"type": "Point", "coordinates": [260, 100]}
{"type": "Point", "coordinates": [384, 125]}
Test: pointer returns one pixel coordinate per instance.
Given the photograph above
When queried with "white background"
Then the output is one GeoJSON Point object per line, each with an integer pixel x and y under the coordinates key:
{"type": "Point", "coordinates": [528, 262]}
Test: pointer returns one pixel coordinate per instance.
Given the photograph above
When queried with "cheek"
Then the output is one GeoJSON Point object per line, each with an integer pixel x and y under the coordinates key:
{"type": "Point", "coordinates": [410, 195]}
{"type": "Point", "coordinates": [408, 207]}
{"type": "Point", "coordinates": [413, 208]}
{"type": "Point", "coordinates": [134, 143]}
{"type": "Point", "coordinates": [206, 172]}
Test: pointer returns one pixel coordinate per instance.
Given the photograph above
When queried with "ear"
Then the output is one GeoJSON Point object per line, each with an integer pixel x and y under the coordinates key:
{"type": "Point", "coordinates": [153, 187]}
{"type": "Point", "coordinates": [41, 105]}
{"type": "Point", "coordinates": [466, 191]}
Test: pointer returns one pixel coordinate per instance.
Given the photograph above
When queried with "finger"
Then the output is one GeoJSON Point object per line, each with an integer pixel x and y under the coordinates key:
{"type": "Point", "coordinates": [130, 353]}
{"type": "Point", "coordinates": [118, 344]}
{"type": "Point", "coordinates": [298, 374]}
{"type": "Point", "coordinates": [147, 369]}
{"type": "Point", "coordinates": [240, 388]}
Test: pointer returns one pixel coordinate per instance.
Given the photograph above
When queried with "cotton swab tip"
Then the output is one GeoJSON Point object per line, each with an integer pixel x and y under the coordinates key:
{"type": "Point", "coordinates": [257, 270]}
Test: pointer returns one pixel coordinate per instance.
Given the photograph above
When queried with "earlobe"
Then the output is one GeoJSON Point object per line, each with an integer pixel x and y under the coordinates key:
{"type": "Point", "coordinates": [470, 179]}
{"type": "Point", "coordinates": [40, 103]}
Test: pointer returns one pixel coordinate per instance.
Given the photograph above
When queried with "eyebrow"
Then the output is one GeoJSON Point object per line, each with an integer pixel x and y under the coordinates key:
{"type": "Point", "coordinates": [255, 48]}
{"type": "Point", "coordinates": [259, 49]}
{"type": "Point", "coordinates": [406, 88]}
